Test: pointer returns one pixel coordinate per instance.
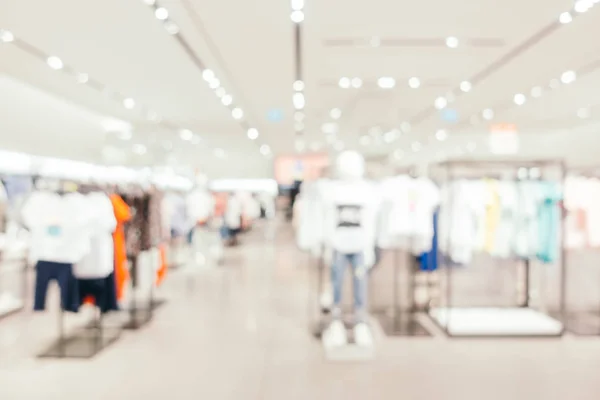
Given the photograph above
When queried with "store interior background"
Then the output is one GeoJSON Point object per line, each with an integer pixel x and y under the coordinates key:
{"type": "Point", "coordinates": [238, 91]}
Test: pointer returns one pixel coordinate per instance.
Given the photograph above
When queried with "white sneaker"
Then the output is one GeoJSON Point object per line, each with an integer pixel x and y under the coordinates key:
{"type": "Point", "coordinates": [326, 300]}
{"type": "Point", "coordinates": [362, 335]}
{"type": "Point", "coordinates": [335, 335]}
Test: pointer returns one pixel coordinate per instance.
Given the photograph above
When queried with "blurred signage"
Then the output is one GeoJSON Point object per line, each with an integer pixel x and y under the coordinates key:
{"type": "Point", "coordinates": [304, 167]}
{"type": "Point", "coordinates": [275, 115]}
{"type": "Point", "coordinates": [449, 115]}
{"type": "Point", "coordinates": [504, 139]}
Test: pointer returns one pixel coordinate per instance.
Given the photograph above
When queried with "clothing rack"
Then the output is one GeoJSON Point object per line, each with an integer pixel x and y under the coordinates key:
{"type": "Point", "coordinates": [92, 338]}
{"type": "Point", "coordinates": [443, 315]}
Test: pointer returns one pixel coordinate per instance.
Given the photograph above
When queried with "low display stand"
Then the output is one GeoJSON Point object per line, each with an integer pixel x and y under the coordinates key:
{"type": "Point", "coordinates": [140, 314]}
{"type": "Point", "coordinates": [403, 319]}
{"type": "Point", "coordinates": [86, 342]}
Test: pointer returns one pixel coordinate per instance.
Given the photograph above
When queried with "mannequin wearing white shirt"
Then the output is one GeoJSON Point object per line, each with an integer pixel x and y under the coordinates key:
{"type": "Point", "coordinates": [349, 216]}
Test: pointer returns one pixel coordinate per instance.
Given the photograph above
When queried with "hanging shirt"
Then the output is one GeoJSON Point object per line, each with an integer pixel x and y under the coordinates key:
{"type": "Point", "coordinates": [99, 262]}
{"type": "Point", "coordinates": [60, 226]}
{"type": "Point", "coordinates": [549, 216]}
{"type": "Point", "coordinates": [122, 215]}
{"type": "Point", "coordinates": [200, 206]}
{"type": "Point", "coordinates": [233, 212]}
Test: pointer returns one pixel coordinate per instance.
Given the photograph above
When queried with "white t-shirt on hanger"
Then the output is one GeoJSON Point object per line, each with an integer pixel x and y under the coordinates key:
{"type": "Point", "coordinates": [99, 262]}
{"type": "Point", "coordinates": [59, 226]}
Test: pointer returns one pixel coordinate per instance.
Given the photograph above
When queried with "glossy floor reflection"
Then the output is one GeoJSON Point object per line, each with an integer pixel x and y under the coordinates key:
{"type": "Point", "coordinates": [241, 331]}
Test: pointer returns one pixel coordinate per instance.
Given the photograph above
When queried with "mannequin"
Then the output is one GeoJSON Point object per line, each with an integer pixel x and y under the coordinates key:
{"type": "Point", "coordinates": [350, 209]}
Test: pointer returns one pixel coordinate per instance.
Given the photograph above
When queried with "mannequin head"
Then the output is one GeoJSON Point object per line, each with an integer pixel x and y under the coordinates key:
{"type": "Point", "coordinates": [350, 165]}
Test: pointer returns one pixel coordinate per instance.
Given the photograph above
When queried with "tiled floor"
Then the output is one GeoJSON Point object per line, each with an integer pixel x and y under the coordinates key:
{"type": "Point", "coordinates": [240, 331]}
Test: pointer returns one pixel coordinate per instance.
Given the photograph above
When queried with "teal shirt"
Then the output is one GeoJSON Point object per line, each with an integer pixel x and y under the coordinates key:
{"type": "Point", "coordinates": [549, 222]}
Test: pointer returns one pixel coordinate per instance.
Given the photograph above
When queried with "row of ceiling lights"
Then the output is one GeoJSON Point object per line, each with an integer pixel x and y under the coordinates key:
{"type": "Point", "coordinates": [123, 131]}
{"type": "Point", "coordinates": [298, 98]}
{"type": "Point", "coordinates": [441, 102]}
{"type": "Point", "coordinates": [384, 82]}
{"type": "Point", "coordinates": [213, 82]}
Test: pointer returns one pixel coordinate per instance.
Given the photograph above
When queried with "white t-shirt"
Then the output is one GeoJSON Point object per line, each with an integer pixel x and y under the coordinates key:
{"type": "Point", "coordinates": [350, 212]}
{"type": "Point", "coordinates": [99, 262]}
{"type": "Point", "coordinates": [59, 226]}
{"type": "Point", "coordinates": [233, 212]}
{"type": "Point", "coordinates": [409, 205]}
{"type": "Point", "coordinates": [200, 206]}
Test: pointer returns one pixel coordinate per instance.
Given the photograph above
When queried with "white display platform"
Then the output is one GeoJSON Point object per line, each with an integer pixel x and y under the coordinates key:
{"type": "Point", "coordinates": [489, 321]}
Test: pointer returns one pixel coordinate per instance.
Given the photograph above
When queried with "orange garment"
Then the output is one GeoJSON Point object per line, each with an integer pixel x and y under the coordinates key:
{"type": "Point", "coordinates": [220, 204]}
{"type": "Point", "coordinates": [122, 214]}
{"type": "Point", "coordinates": [162, 269]}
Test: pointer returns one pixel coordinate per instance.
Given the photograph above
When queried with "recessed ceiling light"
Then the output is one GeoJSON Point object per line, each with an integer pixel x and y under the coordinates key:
{"type": "Point", "coordinates": [297, 16]}
{"type": "Point", "coordinates": [219, 152]}
{"type": "Point", "coordinates": [471, 147]}
{"type": "Point", "coordinates": [129, 103]}
{"type": "Point", "coordinates": [208, 75]}
{"type": "Point", "coordinates": [139, 149]}
{"type": "Point", "coordinates": [329, 128]}
{"type": "Point", "coordinates": [414, 82]}
{"type": "Point", "coordinates": [335, 113]}
{"type": "Point", "coordinates": [375, 41]}
{"type": "Point", "coordinates": [220, 92]}
{"type": "Point", "coordinates": [386, 82]}
{"type": "Point", "coordinates": [554, 84]}
{"type": "Point", "coordinates": [300, 145]}
{"type": "Point", "coordinates": [237, 113]}
{"type": "Point", "coordinates": [440, 103]}
{"type": "Point", "coordinates": [465, 86]}
{"type": "Point", "coordinates": [536, 92]}
{"type": "Point", "coordinates": [214, 84]}
{"type": "Point", "coordinates": [344, 82]}
{"type": "Point", "coordinates": [54, 62]}
{"type": "Point", "coordinates": [390, 136]}
{"type": "Point", "coordinates": [124, 135]}
{"type": "Point", "coordinates": [227, 100]}
{"type": "Point", "coordinates": [298, 86]}
{"type": "Point", "coordinates": [415, 146]}
{"type": "Point", "coordinates": [149, 2]}
{"type": "Point", "coordinates": [161, 13]}
{"type": "Point", "coordinates": [357, 83]}
{"type": "Point", "coordinates": [441, 135]}
{"type": "Point", "coordinates": [265, 149]}
{"type": "Point", "coordinates": [6, 36]}
{"type": "Point", "coordinates": [83, 78]}
{"type": "Point", "coordinates": [298, 100]}
{"type": "Point", "coordinates": [297, 4]}
{"type": "Point", "coordinates": [252, 133]}
{"type": "Point", "coordinates": [582, 6]}
{"type": "Point", "coordinates": [299, 116]}
{"type": "Point", "coordinates": [452, 42]}
{"type": "Point", "coordinates": [568, 77]}
{"type": "Point", "coordinates": [365, 140]}
{"type": "Point", "coordinates": [405, 127]}
{"type": "Point", "coordinates": [584, 113]}
{"type": "Point", "coordinates": [519, 99]}
{"type": "Point", "coordinates": [186, 134]}
{"type": "Point", "coordinates": [171, 28]}
{"type": "Point", "coordinates": [565, 17]}
{"type": "Point", "coordinates": [487, 114]}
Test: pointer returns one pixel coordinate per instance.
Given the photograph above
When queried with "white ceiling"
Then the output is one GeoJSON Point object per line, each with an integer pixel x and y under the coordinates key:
{"type": "Point", "coordinates": [504, 48]}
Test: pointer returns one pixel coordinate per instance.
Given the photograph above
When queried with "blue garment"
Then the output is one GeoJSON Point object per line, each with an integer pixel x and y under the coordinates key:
{"type": "Point", "coordinates": [429, 261]}
{"type": "Point", "coordinates": [359, 283]}
{"type": "Point", "coordinates": [549, 222]}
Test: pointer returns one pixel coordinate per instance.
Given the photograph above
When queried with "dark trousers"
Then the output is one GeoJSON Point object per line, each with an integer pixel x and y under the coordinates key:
{"type": "Point", "coordinates": [48, 271]}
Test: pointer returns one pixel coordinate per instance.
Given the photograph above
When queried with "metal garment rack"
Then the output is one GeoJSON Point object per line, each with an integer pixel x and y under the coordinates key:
{"type": "Point", "coordinates": [477, 170]}
{"type": "Point", "coordinates": [583, 322]}
{"type": "Point", "coordinates": [139, 316]}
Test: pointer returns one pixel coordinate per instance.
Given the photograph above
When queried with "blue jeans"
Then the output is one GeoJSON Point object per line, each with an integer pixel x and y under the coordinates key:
{"type": "Point", "coordinates": [359, 283]}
